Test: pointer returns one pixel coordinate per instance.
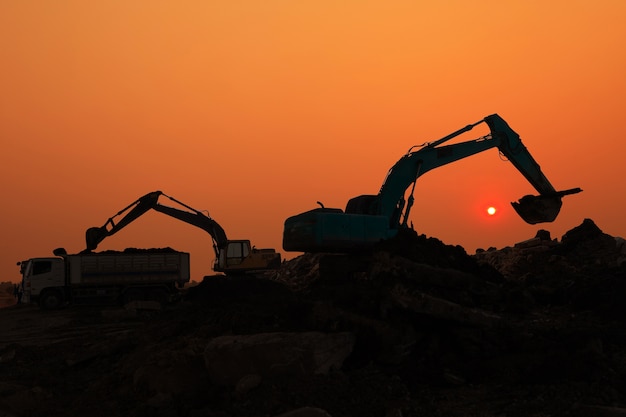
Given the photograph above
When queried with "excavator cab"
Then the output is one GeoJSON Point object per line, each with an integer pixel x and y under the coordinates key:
{"type": "Point", "coordinates": [240, 257]}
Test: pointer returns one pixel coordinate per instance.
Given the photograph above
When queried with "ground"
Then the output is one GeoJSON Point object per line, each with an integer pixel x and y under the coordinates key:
{"type": "Point", "coordinates": [531, 330]}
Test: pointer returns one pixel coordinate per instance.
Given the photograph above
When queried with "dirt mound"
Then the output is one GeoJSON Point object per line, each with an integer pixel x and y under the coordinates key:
{"type": "Point", "coordinates": [585, 270]}
{"type": "Point", "coordinates": [414, 328]}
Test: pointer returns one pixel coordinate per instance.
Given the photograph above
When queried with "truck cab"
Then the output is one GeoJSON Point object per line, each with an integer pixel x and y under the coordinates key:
{"type": "Point", "coordinates": [41, 277]}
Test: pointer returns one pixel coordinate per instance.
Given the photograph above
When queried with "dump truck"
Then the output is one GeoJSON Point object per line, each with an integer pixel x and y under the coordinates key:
{"type": "Point", "coordinates": [109, 277]}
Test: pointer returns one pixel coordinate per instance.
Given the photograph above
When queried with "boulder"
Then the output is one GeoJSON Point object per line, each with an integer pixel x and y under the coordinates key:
{"type": "Point", "coordinates": [230, 358]}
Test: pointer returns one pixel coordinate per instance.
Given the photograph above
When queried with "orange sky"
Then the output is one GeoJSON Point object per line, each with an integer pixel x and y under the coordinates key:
{"type": "Point", "coordinates": [254, 110]}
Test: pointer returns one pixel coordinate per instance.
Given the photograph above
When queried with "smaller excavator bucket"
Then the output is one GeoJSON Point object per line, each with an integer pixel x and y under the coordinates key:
{"type": "Point", "coordinates": [541, 208]}
{"type": "Point", "coordinates": [95, 235]}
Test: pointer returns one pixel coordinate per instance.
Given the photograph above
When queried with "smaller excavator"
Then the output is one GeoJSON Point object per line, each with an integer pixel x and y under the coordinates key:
{"type": "Point", "coordinates": [232, 257]}
{"type": "Point", "coordinates": [369, 219]}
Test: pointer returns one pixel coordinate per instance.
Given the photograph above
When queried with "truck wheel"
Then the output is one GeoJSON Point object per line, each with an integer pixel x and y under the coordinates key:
{"type": "Point", "coordinates": [51, 300]}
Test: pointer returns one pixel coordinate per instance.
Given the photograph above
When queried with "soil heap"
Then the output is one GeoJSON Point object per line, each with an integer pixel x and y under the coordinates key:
{"type": "Point", "coordinates": [414, 328]}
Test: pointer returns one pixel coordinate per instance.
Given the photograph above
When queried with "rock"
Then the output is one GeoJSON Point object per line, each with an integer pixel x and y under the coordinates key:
{"type": "Point", "coordinates": [586, 245]}
{"type": "Point", "coordinates": [172, 379]}
{"type": "Point", "coordinates": [543, 235]}
{"type": "Point", "coordinates": [585, 231]}
{"type": "Point", "coordinates": [376, 339]}
{"type": "Point", "coordinates": [580, 249]}
{"type": "Point", "coordinates": [438, 308]}
{"type": "Point", "coordinates": [230, 358]}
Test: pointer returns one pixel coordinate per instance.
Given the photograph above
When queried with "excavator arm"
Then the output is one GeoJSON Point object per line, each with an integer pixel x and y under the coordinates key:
{"type": "Point", "coordinates": [371, 218]}
{"type": "Point", "coordinates": [532, 209]}
{"type": "Point", "coordinates": [95, 235]}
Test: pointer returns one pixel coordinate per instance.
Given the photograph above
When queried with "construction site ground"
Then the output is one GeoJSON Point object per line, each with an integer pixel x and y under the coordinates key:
{"type": "Point", "coordinates": [532, 330]}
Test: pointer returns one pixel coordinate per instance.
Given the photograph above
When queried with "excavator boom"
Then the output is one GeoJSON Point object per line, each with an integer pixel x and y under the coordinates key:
{"type": "Point", "coordinates": [95, 235]}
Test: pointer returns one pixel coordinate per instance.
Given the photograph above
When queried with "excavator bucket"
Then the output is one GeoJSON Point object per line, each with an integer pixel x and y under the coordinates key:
{"type": "Point", "coordinates": [95, 235]}
{"type": "Point", "coordinates": [541, 208]}
{"type": "Point", "coordinates": [538, 209]}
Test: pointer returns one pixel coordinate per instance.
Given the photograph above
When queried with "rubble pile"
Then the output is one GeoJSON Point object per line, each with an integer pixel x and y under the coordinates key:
{"type": "Point", "coordinates": [413, 328]}
{"type": "Point", "coordinates": [583, 248]}
{"type": "Point", "coordinates": [584, 270]}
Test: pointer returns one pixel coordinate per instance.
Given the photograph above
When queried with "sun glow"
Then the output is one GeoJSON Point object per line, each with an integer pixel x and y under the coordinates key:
{"type": "Point", "coordinates": [491, 211]}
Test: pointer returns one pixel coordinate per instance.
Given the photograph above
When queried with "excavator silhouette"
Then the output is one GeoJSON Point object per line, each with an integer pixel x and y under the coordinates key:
{"type": "Point", "coordinates": [369, 219]}
{"type": "Point", "coordinates": [232, 257]}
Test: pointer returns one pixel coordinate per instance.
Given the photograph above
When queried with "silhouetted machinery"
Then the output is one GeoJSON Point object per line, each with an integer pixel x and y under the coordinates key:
{"type": "Point", "coordinates": [231, 256]}
{"type": "Point", "coordinates": [369, 219]}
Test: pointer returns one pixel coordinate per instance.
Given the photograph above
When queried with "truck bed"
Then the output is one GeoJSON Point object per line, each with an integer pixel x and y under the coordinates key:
{"type": "Point", "coordinates": [128, 268]}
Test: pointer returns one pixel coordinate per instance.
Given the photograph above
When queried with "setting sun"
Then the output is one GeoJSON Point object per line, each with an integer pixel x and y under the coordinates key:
{"type": "Point", "coordinates": [491, 211]}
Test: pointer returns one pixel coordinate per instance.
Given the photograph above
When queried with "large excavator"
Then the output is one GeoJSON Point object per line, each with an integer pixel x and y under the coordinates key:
{"type": "Point", "coordinates": [369, 219]}
{"type": "Point", "coordinates": [232, 257]}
